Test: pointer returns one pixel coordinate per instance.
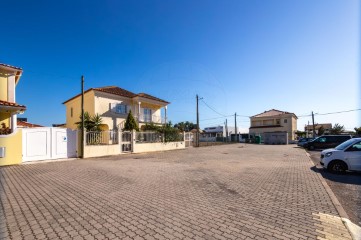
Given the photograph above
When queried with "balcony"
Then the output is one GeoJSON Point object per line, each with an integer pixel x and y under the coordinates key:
{"type": "Point", "coordinates": [150, 119]}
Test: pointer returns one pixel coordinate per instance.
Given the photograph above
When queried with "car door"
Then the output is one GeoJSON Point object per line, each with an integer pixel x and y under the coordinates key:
{"type": "Point", "coordinates": [353, 156]}
{"type": "Point", "coordinates": [320, 142]}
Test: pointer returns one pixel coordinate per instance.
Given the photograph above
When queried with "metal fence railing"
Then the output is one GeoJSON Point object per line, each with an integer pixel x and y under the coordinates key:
{"type": "Point", "coordinates": [102, 138]}
{"type": "Point", "coordinates": [148, 137]}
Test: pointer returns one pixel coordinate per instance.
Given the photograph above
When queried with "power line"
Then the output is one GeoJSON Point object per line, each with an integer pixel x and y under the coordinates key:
{"type": "Point", "coordinates": [345, 111]}
{"type": "Point", "coordinates": [214, 118]}
{"type": "Point", "coordinates": [353, 110]}
{"type": "Point", "coordinates": [213, 109]}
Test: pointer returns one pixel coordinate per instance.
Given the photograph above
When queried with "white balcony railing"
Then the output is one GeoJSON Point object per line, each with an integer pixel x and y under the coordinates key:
{"type": "Point", "coordinates": [150, 119]}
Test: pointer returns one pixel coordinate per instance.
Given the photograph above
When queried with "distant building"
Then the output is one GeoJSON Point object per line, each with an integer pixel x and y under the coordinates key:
{"type": "Point", "coordinates": [326, 127]}
{"type": "Point", "coordinates": [221, 131]}
{"type": "Point", "coordinates": [274, 121]}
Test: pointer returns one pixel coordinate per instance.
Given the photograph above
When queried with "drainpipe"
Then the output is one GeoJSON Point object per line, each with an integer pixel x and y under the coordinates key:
{"type": "Point", "coordinates": [165, 114]}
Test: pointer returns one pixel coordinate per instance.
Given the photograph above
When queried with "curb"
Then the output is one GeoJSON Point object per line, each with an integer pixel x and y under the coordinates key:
{"type": "Point", "coordinates": [353, 229]}
{"type": "Point", "coordinates": [48, 161]}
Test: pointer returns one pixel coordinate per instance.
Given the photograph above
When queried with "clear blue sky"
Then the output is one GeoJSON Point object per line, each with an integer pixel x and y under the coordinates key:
{"type": "Point", "coordinates": [240, 56]}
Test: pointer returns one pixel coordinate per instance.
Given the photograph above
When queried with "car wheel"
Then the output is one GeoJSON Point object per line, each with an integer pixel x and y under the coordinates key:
{"type": "Point", "coordinates": [311, 148]}
{"type": "Point", "coordinates": [337, 167]}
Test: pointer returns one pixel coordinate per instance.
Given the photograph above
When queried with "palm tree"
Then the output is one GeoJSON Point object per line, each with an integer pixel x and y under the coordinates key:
{"type": "Point", "coordinates": [337, 129]}
{"type": "Point", "coordinates": [91, 123]}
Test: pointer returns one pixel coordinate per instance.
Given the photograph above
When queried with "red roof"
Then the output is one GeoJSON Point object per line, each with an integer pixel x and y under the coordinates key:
{"type": "Point", "coordinates": [120, 92]}
{"type": "Point", "coordinates": [9, 66]}
{"type": "Point", "coordinates": [116, 91]}
{"type": "Point", "coordinates": [151, 97]}
{"type": "Point", "coordinates": [272, 112]}
{"type": "Point", "coordinates": [10, 104]}
{"type": "Point", "coordinates": [27, 125]}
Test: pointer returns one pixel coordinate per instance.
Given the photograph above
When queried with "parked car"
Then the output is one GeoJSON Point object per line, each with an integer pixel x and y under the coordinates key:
{"type": "Point", "coordinates": [346, 156]}
{"type": "Point", "coordinates": [303, 141]}
{"type": "Point", "coordinates": [326, 141]}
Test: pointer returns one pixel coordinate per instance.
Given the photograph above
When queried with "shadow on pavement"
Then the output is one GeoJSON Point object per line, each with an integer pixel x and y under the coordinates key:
{"type": "Point", "coordinates": [348, 177]}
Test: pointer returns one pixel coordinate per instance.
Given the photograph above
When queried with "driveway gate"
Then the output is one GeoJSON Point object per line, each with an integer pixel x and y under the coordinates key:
{"type": "Point", "coordinates": [126, 144]}
{"type": "Point", "coordinates": [188, 139]}
{"type": "Point", "coordinates": [48, 143]}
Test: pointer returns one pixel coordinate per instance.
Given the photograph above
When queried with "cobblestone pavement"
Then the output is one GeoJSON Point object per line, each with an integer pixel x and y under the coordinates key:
{"type": "Point", "coordinates": [346, 187]}
{"type": "Point", "coordinates": [222, 192]}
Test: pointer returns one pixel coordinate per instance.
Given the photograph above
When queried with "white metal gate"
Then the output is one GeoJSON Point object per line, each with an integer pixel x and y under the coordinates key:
{"type": "Point", "coordinates": [126, 144]}
{"type": "Point", "coordinates": [48, 143]}
{"type": "Point", "coordinates": [188, 139]}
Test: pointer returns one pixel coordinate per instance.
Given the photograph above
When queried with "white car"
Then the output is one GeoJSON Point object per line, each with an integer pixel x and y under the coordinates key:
{"type": "Point", "coordinates": [346, 156]}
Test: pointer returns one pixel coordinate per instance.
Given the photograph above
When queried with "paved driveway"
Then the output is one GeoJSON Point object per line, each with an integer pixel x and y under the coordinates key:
{"type": "Point", "coordinates": [347, 188]}
{"type": "Point", "coordinates": [223, 192]}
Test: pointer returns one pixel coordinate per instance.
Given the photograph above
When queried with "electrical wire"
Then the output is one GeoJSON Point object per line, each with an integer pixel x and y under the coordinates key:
{"type": "Point", "coordinates": [353, 110]}
{"type": "Point", "coordinates": [213, 108]}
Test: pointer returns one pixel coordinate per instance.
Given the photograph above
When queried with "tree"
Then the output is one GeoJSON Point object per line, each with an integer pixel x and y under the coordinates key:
{"type": "Point", "coordinates": [337, 129]}
{"type": "Point", "coordinates": [185, 126]}
{"type": "Point", "coordinates": [321, 131]}
{"type": "Point", "coordinates": [171, 134]}
{"type": "Point", "coordinates": [130, 123]}
{"type": "Point", "coordinates": [358, 130]}
{"type": "Point", "coordinates": [150, 127]}
{"type": "Point", "coordinates": [91, 123]}
{"type": "Point", "coordinates": [300, 133]}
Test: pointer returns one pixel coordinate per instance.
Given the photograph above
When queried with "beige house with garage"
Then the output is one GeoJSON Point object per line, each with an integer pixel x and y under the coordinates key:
{"type": "Point", "coordinates": [113, 105]}
{"type": "Point", "coordinates": [274, 121]}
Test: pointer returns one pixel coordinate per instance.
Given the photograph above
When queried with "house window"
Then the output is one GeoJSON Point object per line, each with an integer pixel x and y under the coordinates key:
{"type": "Point", "coordinates": [284, 120]}
{"type": "Point", "coordinates": [277, 122]}
{"type": "Point", "coordinates": [147, 115]}
{"type": "Point", "coordinates": [121, 108]}
{"type": "Point", "coordinates": [71, 112]}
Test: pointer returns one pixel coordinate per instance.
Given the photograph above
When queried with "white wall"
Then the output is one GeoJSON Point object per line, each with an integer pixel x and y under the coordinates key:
{"type": "Point", "coordinates": [156, 147]}
{"type": "Point", "coordinates": [101, 150]}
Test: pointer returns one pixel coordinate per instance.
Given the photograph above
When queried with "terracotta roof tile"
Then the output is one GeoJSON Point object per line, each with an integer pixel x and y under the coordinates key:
{"type": "Point", "coordinates": [27, 124]}
{"type": "Point", "coordinates": [151, 97]}
{"type": "Point", "coordinates": [116, 91]}
{"type": "Point", "coordinates": [272, 112]}
{"type": "Point", "coordinates": [120, 92]}
{"type": "Point", "coordinates": [10, 104]}
{"type": "Point", "coordinates": [9, 66]}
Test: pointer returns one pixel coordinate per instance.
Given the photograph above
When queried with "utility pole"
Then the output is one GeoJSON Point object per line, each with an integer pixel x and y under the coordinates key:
{"type": "Point", "coordinates": [226, 131]}
{"type": "Point", "coordinates": [235, 127]}
{"type": "Point", "coordinates": [82, 117]}
{"type": "Point", "coordinates": [197, 134]}
{"type": "Point", "coordinates": [313, 125]}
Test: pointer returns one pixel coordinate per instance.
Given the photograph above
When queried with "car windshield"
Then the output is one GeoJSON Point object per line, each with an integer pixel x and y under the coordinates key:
{"type": "Point", "coordinates": [344, 145]}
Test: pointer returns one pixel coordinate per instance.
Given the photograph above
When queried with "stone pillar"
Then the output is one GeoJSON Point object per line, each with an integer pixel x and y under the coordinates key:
{"type": "Point", "coordinates": [14, 122]}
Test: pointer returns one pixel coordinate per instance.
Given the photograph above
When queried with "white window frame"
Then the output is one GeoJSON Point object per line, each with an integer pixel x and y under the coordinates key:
{"type": "Point", "coordinates": [147, 113]}
{"type": "Point", "coordinates": [121, 108]}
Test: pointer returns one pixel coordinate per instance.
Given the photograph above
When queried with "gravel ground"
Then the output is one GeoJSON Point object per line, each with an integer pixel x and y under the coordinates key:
{"type": "Point", "coordinates": [346, 187]}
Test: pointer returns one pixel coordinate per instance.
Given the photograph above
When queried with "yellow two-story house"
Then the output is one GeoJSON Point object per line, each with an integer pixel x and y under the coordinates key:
{"type": "Point", "coordinates": [113, 105]}
{"type": "Point", "coordinates": [274, 121]}
{"type": "Point", "coordinates": [10, 136]}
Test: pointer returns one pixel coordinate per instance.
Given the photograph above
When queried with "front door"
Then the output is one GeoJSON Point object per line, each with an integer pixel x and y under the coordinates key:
{"type": "Point", "coordinates": [353, 156]}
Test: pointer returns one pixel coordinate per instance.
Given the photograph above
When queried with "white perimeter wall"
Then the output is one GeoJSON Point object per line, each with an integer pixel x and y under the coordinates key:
{"type": "Point", "coordinates": [155, 147]}
{"type": "Point", "coordinates": [101, 150]}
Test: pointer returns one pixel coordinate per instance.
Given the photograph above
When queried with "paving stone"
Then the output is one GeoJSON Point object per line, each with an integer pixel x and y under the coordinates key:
{"type": "Point", "coordinates": [223, 192]}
